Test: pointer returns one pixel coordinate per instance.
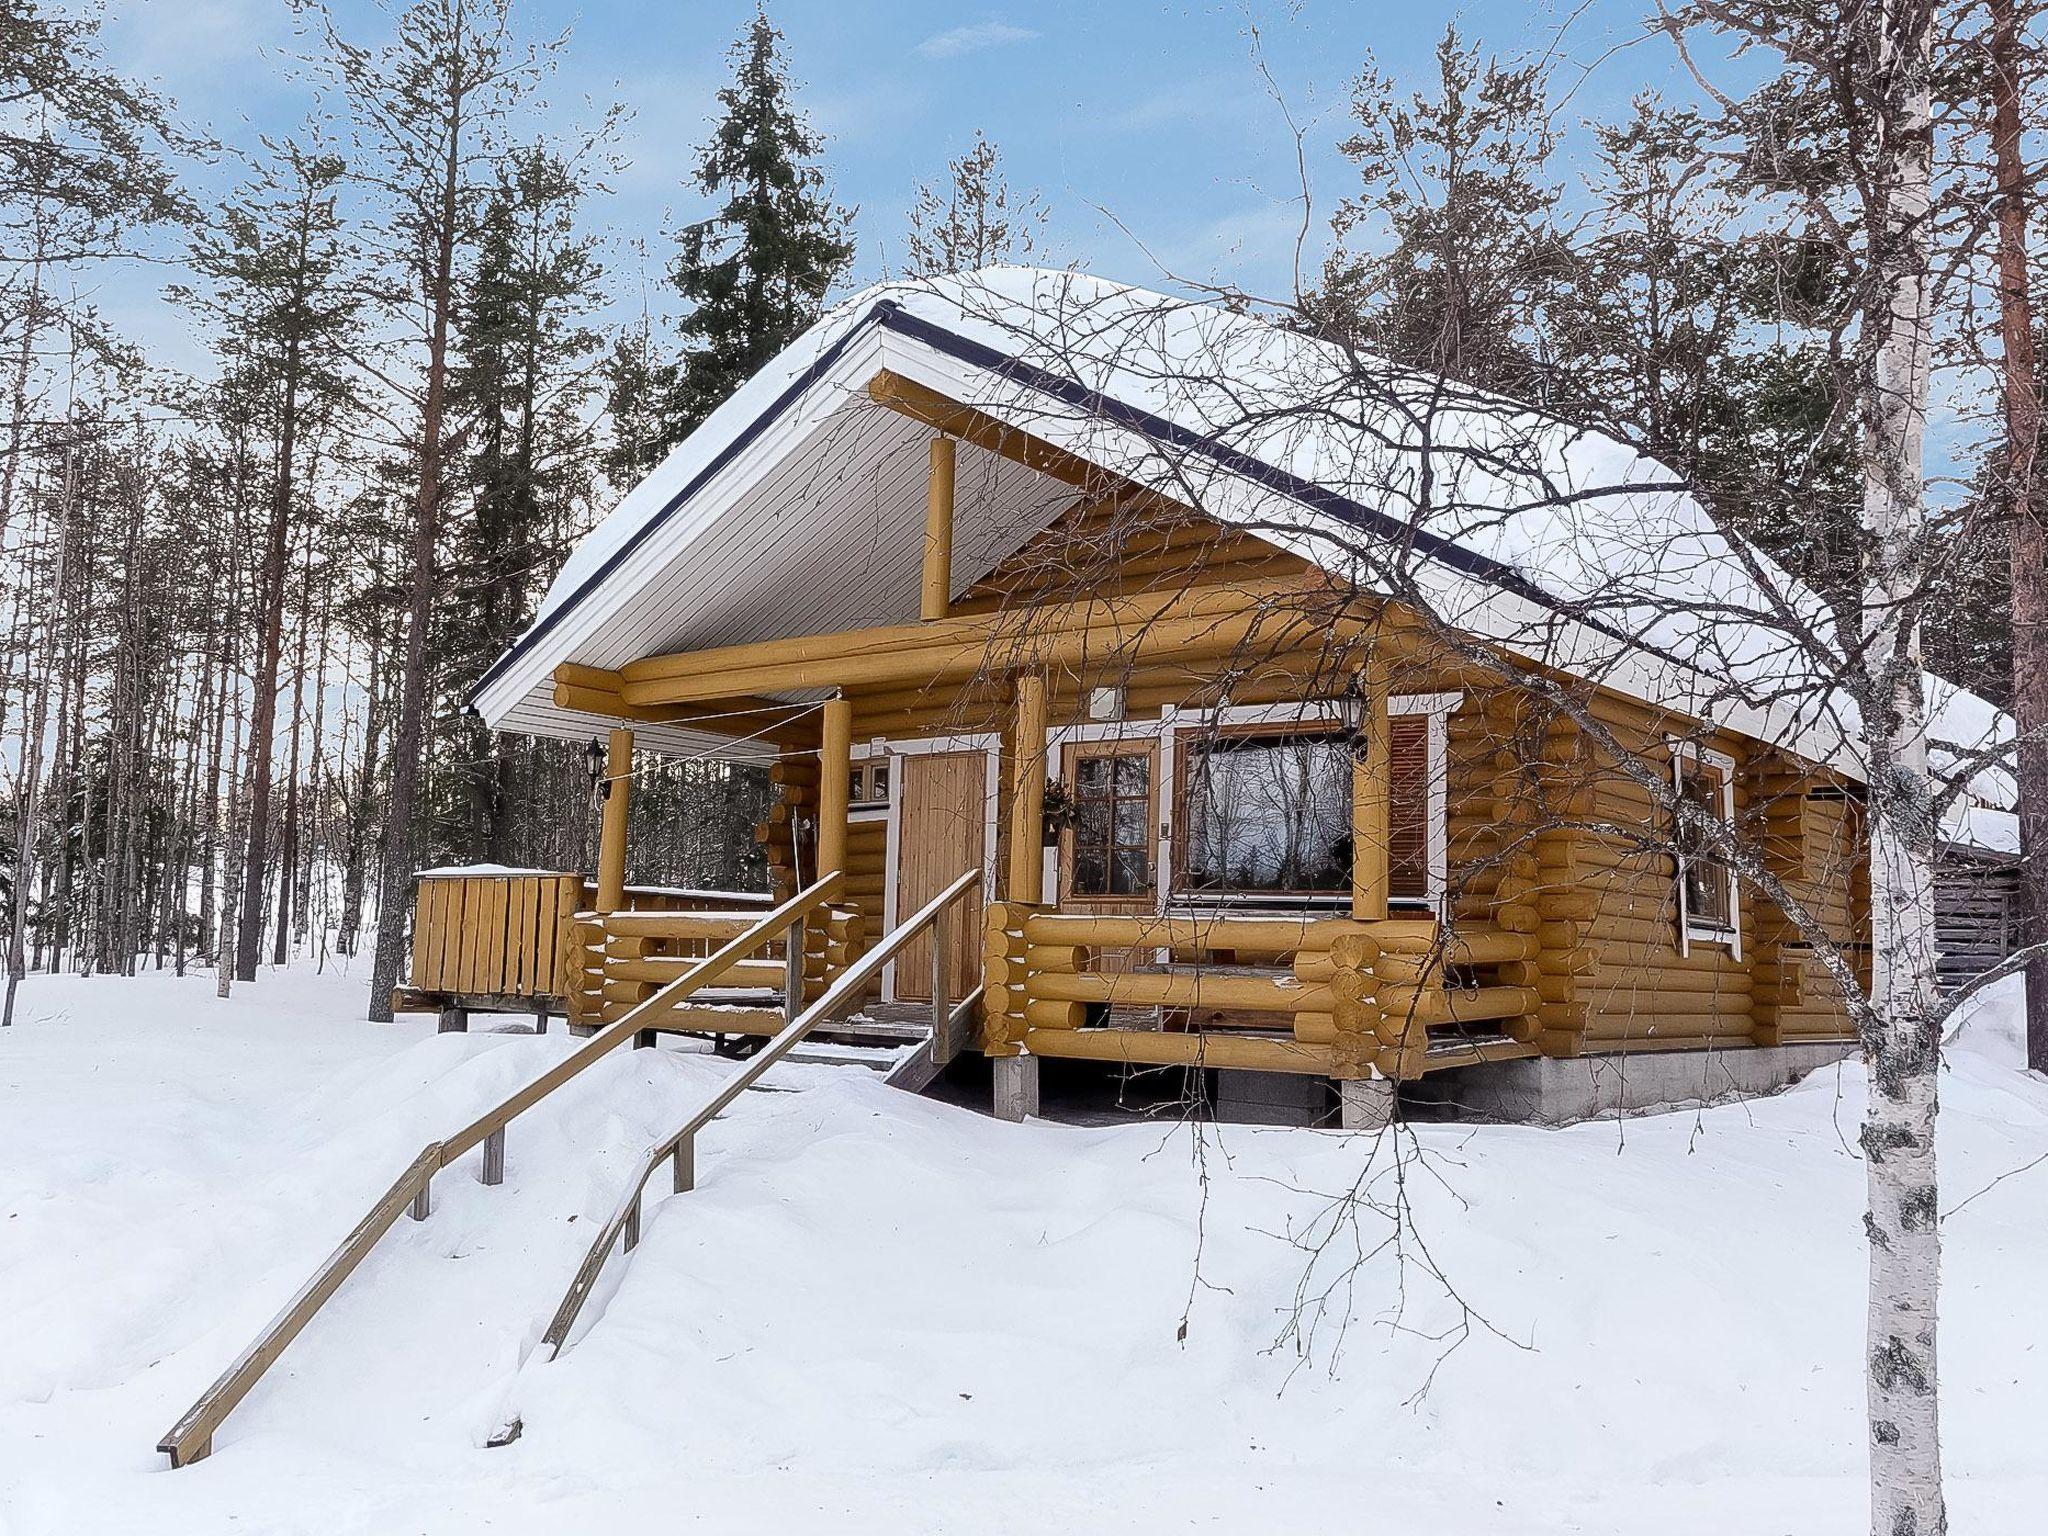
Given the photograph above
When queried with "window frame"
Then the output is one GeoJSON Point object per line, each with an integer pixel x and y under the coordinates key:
{"type": "Point", "coordinates": [1691, 756]}
{"type": "Point", "coordinates": [1190, 739]}
{"type": "Point", "coordinates": [1173, 721]}
{"type": "Point", "coordinates": [1145, 748]}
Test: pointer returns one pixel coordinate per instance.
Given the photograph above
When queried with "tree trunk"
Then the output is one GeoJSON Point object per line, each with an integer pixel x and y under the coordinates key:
{"type": "Point", "coordinates": [408, 746]}
{"type": "Point", "coordinates": [263, 707]}
{"type": "Point", "coordinates": [2029, 540]}
{"type": "Point", "coordinates": [1901, 1036]}
{"type": "Point", "coordinates": [288, 844]}
{"type": "Point", "coordinates": [31, 775]}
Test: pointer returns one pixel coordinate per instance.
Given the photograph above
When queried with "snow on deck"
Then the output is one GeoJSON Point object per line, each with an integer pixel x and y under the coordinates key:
{"type": "Point", "coordinates": [881, 1314]}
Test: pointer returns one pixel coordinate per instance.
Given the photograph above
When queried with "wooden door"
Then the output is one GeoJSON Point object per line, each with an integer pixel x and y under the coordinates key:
{"type": "Point", "coordinates": [941, 832]}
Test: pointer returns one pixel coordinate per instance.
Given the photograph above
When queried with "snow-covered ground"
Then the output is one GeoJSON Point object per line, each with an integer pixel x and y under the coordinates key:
{"type": "Point", "coordinates": [880, 1314]}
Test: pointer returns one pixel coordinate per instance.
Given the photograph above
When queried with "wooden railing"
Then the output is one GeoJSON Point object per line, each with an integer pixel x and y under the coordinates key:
{"type": "Point", "coordinates": [1320, 995]}
{"type": "Point", "coordinates": [191, 1438]}
{"type": "Point", "coordinates": [620, 958]}
{"type": "Point", "coordinates": [844, 994]}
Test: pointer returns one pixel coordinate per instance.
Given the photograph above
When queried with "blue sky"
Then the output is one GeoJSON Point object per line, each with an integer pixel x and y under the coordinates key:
{"type": "Point", "coordinates": [1146, 126]}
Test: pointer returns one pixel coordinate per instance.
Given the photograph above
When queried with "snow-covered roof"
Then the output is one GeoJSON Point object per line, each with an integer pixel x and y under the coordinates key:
{"type": "Point", "coordinates": [1565, 545]}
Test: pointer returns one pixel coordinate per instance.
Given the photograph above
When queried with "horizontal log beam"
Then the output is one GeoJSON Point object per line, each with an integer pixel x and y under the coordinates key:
{"type": "Point", "coordinates": [922, 403]}
{"type": "Point", "coordinates": [1262, 935]}
{"type": "Point", "coordinates": [1247, 1053]}
{"type": "Point", "coordinates": [1204, 621]}
{"type": "Point", "coordinates": [1210, 989]}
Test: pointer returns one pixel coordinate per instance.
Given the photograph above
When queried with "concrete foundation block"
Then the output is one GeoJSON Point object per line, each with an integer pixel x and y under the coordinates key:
{"type": "Point", "coordinates": [1365, 1104]}
{"type": "Point", "coordinates": [453, 1020]}
{"type": "Point", "coordinates": [1552, 1091]}
{"type": "Point", "coordinates": [1016, 1087]}
{"type": "Point", "coordinates": [1269, 1098]}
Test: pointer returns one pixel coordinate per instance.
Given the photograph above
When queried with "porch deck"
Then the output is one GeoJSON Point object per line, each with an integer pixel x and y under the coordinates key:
{"type": "Point", "coordinates": [1330, 996]}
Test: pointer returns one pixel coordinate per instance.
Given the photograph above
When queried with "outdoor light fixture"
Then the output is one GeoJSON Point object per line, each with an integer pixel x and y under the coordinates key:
{"type": "Point", "coordinates": [593, 755]}
{"type": "Point", "coordinates": [1351, 721]}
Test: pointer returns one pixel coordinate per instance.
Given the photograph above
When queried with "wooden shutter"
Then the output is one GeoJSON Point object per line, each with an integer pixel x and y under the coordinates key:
{"type": "Point", "coordinates": [1408, 825]}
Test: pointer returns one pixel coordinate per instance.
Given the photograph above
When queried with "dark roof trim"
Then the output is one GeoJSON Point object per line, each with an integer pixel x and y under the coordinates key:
{"type": "Point", "coordinates": [887, 314]}
{"type": "Point", "coordinates": [744, 439]}
{"type": "Point", "coordinates": [1316, 497]}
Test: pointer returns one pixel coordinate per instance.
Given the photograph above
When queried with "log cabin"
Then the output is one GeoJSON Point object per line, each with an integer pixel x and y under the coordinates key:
{"type": "Point", "coordinates": [1301, 716]}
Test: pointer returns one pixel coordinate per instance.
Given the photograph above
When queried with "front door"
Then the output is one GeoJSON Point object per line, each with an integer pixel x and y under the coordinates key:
{"type": "Point", "coordinates": [942, 831]}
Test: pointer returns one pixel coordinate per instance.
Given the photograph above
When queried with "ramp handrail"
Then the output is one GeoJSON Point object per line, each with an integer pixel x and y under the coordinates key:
{"type": "Point", "coordinates": [191, 1438]}
{"type": "Point", "coordinates": [682, 1146]}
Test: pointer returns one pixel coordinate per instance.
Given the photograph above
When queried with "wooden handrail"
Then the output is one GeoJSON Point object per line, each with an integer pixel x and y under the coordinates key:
{"type": "Point", "coordinates": [191, 1438]}
{"type": "Point", "coordinates": [625, 1219]}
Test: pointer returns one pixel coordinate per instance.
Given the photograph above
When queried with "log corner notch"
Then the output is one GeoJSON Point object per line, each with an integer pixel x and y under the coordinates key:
{"type": "Point", "coordinates": [936, 601]}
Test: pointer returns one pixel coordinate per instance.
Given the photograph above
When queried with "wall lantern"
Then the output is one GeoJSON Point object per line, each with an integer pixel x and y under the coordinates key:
{"type": "Point", "coordinates": [594, 759]}
{"type": "Point", "coordinates": [1352, 710]}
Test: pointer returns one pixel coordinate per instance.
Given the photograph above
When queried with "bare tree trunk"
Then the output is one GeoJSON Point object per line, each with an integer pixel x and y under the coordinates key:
{"type": "Point", "coordinates": [31, 775]}
{"type": "Point", "coordinates": [263, 707]}
{"type": "Point", "coordinates": [362, 800]}
{"type": "Point", "coordinates": [1901, 1034]}
{"type": "Point", "coordinates": [2029, 534]}
{"type": "Point", "coordinates": [408, 746]}
{"type": "Point", "coordinates": [288, 844]}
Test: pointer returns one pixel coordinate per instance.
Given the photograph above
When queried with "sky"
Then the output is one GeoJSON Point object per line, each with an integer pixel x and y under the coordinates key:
{"type": "Point", "coordinates": [1157, 134]}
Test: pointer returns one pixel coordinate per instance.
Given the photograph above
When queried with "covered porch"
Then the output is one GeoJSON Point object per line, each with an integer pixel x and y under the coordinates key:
{"type": "Point", "coordinates": [904, 755]}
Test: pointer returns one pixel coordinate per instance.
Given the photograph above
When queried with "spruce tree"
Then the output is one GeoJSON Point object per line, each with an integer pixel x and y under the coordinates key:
{"type": "Point", "coordinates": [639, 384]}
{"type": "Point", "coordinates": [757, 271]}
{"type": "Point", "coordinates": [525, 348]}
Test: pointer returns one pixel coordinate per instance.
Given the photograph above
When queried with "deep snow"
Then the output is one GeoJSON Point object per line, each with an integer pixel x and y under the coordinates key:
{"type": "Point", "coordinates": [879, 1313]}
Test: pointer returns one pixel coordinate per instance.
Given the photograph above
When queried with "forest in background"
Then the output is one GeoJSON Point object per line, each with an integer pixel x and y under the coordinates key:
{"type": "Point", "coordinates": [242, 611]}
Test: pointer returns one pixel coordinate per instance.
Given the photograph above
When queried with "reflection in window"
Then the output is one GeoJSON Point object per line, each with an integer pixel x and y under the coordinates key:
{"type": "Point", "coordinates": [1268, 813]}
{"type": "Point", "coordinates": [1708, 881]}
{"type": "Point", "coordinates": [1113, 825]}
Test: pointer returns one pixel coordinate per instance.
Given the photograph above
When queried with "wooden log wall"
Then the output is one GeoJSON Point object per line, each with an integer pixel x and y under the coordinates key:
{"type": "Point", "coordinates": [1531, 797]}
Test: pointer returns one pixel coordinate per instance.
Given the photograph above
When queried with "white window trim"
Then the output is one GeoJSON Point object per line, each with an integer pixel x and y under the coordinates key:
{"type": "Point", "coordinates": [1689, 932]}
{"type": "Point", "coordinates": [989, 744]}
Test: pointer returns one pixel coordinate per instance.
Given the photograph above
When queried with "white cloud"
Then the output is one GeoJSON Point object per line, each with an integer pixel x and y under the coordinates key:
{"type": "Point", "coordinates": [955, 41]}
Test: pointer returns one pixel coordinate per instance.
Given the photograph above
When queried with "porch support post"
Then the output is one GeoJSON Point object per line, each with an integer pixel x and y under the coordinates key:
{"type": "Point", "coordinates": [1371, 805]}
{"type": "Point", "coordinates": [612, 830]}
{"type": "Point", "coordinates": [835, 765]}
{"type": "Point", "coordinates": [938, 533]}
{"type": "Point", "coordinates": [1027, 791]}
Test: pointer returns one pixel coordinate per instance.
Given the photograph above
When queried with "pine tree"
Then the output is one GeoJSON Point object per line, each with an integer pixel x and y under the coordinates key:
{"type": "Point", "coordinates": [756, 272]}
{"type": "Point", "coordinates": [283, 297]}
{"type": "Point", "coordinates": [1459, 182]}
{"type": "Point", "coordinates": [972, 219]}
{"type": "Point", "coordinates": [430, 107]}
{"type": "Point", "coordinates": [1708, 342]}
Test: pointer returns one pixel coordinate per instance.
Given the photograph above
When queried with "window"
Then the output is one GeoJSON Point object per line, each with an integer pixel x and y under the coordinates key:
{"type": "Point", "coordinates": [1706, 885]}
{"type": "Point", "coordinates": [1112, 824]}
{"type": "Point", "coordinates": [870, 784]}
{"type": "Point", "coordinates": [1266, 812]}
